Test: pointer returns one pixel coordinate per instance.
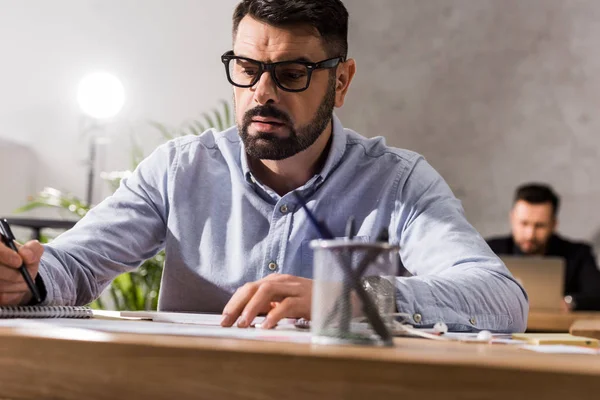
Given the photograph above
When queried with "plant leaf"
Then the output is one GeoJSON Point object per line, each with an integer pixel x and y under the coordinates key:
{"type": "Point", "coordinates": [219, 119]}
{"type": "Point", "coordinates": [199, 125]}
{"type": "Point", "coordinates": [227, 113]}
{"type": "Point", "coordinates": [32, 205]}
{"type": "Point", "coordinates": [193, 130]}
{"type": "Point", "coordinates": [165, 131]}
{"type": "Point", "coordinates": [137, 153]}
{"type": "Point", "coordinates": [209, 120]}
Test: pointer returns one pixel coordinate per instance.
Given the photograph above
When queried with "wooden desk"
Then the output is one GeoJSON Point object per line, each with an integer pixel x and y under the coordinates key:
{"type": "Point", "coordinates": [544, 321]}
{"type": "Point", "coordinates": [62, 363]}
{"type": "Point", "coordinates": [586, 328]}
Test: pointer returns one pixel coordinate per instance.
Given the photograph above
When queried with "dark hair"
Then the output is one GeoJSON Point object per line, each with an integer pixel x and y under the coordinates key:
{"type": "Point", "coordinates": [538, 193]}
{"type": "Point", "coordinates": [328, 17]}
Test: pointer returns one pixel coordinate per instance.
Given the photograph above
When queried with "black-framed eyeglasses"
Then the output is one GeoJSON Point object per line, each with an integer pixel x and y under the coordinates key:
{"type": "Point", "coordinates": [291, 76]}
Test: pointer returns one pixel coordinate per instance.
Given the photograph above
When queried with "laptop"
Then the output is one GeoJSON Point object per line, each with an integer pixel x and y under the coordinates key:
{"type": "Point", "coordinates": [542, 277]}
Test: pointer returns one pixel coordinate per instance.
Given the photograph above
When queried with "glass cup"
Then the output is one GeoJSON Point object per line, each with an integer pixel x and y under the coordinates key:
{"type": "Point", "coordinates": [338, 314]}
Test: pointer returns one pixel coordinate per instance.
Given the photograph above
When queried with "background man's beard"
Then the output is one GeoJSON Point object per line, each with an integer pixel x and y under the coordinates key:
{"type": "Point", "coordinates": [267, 146]}
{"type": "Point", "coordinates": [535, 248]}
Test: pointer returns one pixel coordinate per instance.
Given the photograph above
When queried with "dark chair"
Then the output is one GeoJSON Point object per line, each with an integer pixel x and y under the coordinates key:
{"type": "Point", "coordinates": [37, 224]}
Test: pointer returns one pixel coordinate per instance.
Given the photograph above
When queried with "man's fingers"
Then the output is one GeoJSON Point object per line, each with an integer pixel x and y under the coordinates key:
{"type": "Point", "coordinates": [31, 253]}
{"type": "Point", "coordinates": [263, 296]}
{"type": "Point", "coordinates": [20, 287]}
{"type": "Point", "coordinates": [9, 257]}
{"type": "Point", "coordinates": [281, 278]}
{"type": "Point", "coordinates": [13, 289]}
{"type": "Point", "coordinates": [236, 304]}
{"type": "Point", "coordinates": [12, 298]}
{"type": "Point", "coordinates": [9, 275]}
{"type": "Point", "coordinates": [289, 307]}
{"type": "Point", "coordinates": [267, 292]}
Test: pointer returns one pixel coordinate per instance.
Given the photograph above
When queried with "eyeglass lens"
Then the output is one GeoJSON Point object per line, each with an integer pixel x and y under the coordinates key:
{"type": "Point", "coordinates": [290, 75]}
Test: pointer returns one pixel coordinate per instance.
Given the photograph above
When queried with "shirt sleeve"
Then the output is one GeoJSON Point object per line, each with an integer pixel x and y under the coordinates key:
{"type": "Point", "coordinates": [457, 279]}
{"type": "Point", "coordinates": [114, 237]}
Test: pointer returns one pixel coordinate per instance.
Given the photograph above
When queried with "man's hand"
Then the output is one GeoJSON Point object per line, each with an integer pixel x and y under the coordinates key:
{"type": "Point", "coordinates": [278, 296]}
{"type": "Point", "coordinates": [13, 289]}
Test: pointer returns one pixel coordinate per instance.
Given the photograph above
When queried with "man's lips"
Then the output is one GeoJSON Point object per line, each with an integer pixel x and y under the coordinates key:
{"type": "Point", "coordinates": [266, 124]}
{"type": "Point", "coordinates": [271, 121]}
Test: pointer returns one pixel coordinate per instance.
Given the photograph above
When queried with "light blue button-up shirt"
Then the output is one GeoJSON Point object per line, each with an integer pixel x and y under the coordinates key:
{"type": "Point", "coordinates": [196, 197]}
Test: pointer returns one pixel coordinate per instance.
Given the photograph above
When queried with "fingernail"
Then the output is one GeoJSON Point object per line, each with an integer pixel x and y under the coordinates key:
{"type": "Point", "coordinates": [242, 322]}
{"type": "Point", "coordinates": [226, 320]}
{"type": "Point", "coordinates": [266, 324]}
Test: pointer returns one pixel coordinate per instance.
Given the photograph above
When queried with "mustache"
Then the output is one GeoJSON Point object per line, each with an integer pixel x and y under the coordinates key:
{"type": "Point", "coordinates": [266, 111]}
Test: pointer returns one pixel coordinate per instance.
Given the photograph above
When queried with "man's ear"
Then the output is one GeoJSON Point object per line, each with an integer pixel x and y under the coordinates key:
{"type": "Point", "coordinates": [345, 73]}
{"type": "Point", "coordinates": [554, 224]}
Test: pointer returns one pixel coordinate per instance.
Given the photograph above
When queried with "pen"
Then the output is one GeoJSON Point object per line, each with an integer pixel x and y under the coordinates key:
{"type": "Point", "coordinates": [369, 308]}
{"type": "Point", "coordinates": [350, 228]}
{"type": "Point", "coordinates": [9, 240]}
{"type": "Point", "coordinates": [360, 269]}
{"type": "Point", "coordinates": [384, 237]}
{"type": "Point", "coordinates": [344, 303]}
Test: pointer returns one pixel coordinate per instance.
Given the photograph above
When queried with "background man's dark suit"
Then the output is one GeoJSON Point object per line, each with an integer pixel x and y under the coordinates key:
{"type": "Point", "coordinates": [582, 279]}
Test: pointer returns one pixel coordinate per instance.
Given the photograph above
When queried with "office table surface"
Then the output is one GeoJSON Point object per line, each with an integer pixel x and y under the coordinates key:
{"type": "Point", "coordinates": [556, 321]}
{"type": "Point", "coordinates": [67, 363]}
{"type": "Point", "coordinates": [586, 328]}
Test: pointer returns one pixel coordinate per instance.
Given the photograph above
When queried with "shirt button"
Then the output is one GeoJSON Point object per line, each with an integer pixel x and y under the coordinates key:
{"type": "Point", "coordinates": [272, 266]}
{"type": "Point", "coordinates": [284, 209]}
{"type": "Point", "coordinates": [417, 317]}
{"type": "Point", "coordinates": [472, 320]}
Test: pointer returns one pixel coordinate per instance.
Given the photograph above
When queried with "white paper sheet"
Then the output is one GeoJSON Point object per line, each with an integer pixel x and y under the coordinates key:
{"type": "Point", "coordinates": [283, 333]}
{"type": "Point", "coordinates": [561, 349]}
{"type": "Point", "coordinates": [191, 318]}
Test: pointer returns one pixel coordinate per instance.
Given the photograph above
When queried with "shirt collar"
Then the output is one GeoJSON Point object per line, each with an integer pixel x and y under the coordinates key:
{"type": "Point", "coordinates": [244, 161]}
{"type": "Point", "coordinates": [336, 151]}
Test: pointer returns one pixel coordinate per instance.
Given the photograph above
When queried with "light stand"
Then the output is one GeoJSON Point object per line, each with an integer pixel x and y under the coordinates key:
{"type": "Point", "coordinates": [100, 96]}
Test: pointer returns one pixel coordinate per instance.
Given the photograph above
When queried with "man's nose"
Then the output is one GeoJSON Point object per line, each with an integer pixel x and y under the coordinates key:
{"type": "Point", "coordinates": [265, 90]}
{"type": "Point", "coordinates": [529, 232]}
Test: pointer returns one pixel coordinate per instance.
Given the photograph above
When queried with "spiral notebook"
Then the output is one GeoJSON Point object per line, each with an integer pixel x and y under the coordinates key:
{"type": "Point", "coordinates": [45, 312]}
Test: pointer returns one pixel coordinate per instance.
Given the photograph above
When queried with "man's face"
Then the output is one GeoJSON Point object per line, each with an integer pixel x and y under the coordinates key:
{"type": "Point", "coordinates": [532, 225]}
{"type": "Point", "coordinates": [275, 124]}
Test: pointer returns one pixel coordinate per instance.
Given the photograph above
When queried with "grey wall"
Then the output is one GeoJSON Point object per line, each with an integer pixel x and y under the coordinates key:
{"type": "Point", "coordinates": [17, 164]}
{"type": "Point", "coordinates": [492, 92]}
{"type": "Point", "coordinates": [166, 53]}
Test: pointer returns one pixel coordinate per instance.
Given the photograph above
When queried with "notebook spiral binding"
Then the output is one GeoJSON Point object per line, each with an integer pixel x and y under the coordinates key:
{"type": "Point", "coordinates": [45, 312]}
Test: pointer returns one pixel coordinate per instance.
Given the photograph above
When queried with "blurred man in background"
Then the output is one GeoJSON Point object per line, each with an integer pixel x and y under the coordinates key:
{"type": "Point", "coordinates": [533, 221]}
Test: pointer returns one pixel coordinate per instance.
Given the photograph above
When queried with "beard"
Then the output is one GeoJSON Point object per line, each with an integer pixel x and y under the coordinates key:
{"type": "Point", "coordinates": [267, 146]}
{"type": "Point", "coordinates": [532, 247]}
